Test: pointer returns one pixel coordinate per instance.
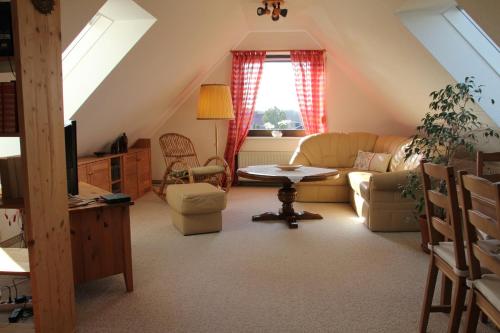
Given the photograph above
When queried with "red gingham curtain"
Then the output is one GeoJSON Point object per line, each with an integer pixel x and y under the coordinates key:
{"type": "Point", "coordinates": [245, 80]}
{"type": "Point", "coordinates": [309, 69]}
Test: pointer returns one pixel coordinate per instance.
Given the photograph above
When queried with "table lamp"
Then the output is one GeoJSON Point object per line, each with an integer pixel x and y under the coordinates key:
{"type": "Point", "coordinates": [214, 104]}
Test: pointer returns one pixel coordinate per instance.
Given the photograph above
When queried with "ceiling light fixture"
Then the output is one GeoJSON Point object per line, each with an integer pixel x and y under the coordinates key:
{"type": "Point", "coordinates": [276, 12]}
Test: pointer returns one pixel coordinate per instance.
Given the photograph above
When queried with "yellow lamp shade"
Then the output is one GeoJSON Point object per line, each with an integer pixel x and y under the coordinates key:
{"type": "Point", "coordinates": [215, 102]}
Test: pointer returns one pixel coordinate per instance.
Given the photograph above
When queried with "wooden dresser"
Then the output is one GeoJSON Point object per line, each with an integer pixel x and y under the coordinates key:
{"type": "Point", "coordinates": [128, 173]}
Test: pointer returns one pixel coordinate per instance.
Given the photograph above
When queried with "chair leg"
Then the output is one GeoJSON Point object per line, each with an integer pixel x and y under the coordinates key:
{"type": "Point", "coordinates": [429, 293]}
{"type": "Point", "coordinates": [446, 288]}
{"type": "Point", "coordinates": [161, 191]}
{"type": "Point", "coordinates": [483, 317]}
{"type": "Point", "coordinates": [457, 304]}
{"type": "Point", "coordinates": [473, 311]}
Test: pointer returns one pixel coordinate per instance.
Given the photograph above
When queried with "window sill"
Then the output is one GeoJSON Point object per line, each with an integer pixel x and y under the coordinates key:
{"type": "Point", "coordinates": [260, 143]}
{"type": "Point", "coordinates": [285, 133]}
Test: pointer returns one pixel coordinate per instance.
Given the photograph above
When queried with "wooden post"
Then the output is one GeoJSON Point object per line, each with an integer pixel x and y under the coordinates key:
{"type": "Point", "coordinates": [37, 39]}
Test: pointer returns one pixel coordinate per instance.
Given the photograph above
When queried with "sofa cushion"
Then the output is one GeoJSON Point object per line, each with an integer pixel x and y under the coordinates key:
{"type": "Point", "coordinates": [398, 161]}
{"type": "Point", "coordinates": [335, 150]}
{"type": "Point", "coordinates": [389, 144]}
{"type": "Point", "coordinates": [357, 177]}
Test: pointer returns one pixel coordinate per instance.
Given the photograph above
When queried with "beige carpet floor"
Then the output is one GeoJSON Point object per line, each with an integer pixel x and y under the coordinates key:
{"type": "Point", "coordinates": [331, 275]}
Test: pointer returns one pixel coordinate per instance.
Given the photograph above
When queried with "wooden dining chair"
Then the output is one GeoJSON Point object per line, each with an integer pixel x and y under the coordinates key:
{"type": "Point", "coordinates": [446, 244]}
{"type": "Point", "coordinates": [183, 166]}
{"type": "Point", "coordinates": [481, 211]}
{"type": "Point", "coordinates": [482, 170]}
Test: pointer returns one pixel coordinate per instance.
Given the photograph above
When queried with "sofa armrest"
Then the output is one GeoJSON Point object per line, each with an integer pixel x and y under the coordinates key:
{"type": "Point", "coordinates": [389, 181]}
{"type": "Point", "coordinates": [299, 158]}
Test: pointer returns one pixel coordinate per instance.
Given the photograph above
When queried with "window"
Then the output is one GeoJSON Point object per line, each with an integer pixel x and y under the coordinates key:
{"type": "Point", "coordinates": [277, 106]}
{"type": "Point", "coordinates": [84, 42]}
{"type": "Point", "coordinates": [100, 46]}
{"type": "Point", "coordinates": [462, 48]}
{"type": "Point", "coordinates": [476, 37]}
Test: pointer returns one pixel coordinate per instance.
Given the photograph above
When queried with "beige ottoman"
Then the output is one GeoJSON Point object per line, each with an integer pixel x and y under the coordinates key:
{"type": "Point", "coordinates": [196, 208]}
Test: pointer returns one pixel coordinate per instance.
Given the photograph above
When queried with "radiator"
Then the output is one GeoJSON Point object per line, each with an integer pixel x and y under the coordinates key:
{"type": "Point", "coordinates": [246, 158]}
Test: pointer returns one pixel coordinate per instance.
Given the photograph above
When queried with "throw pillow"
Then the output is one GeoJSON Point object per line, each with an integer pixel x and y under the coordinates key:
{"type": "Point", "coordinates": [372, 161]}
{"type": "Point", "coordinates": [363, 160]}
{"type": "Point", "coordinates": [379, 162]}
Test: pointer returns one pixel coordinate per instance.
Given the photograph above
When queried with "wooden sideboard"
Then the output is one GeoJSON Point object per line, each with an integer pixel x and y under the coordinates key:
{"type": "Point", "coordinates": [128, 173]}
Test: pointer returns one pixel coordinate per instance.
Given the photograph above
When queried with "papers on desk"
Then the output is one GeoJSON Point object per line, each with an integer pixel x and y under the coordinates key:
{"type": "Point", "coordinates": [75, 201]}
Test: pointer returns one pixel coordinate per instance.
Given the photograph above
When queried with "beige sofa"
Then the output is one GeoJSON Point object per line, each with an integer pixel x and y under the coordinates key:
{"type": "Point", "coordinates": [373, 195]}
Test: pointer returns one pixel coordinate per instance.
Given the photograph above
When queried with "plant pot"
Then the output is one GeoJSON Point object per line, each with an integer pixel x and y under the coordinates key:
{"type": "Point", "coordinates": [276, 134]}
{"type": "Point", "coordinates": [424, 233]}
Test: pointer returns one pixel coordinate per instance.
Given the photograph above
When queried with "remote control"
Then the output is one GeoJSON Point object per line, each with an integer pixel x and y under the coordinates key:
{"type": "Point", "coordinates": [15, 315]}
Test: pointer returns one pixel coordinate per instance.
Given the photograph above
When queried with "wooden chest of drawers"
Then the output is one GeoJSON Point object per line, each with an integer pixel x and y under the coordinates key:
{"type": "Point", "coordinates": [128, 173]}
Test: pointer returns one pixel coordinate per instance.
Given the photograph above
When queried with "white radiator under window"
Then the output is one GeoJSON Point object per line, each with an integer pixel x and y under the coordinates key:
{"type": "Point", "coordinates": [246, 158]}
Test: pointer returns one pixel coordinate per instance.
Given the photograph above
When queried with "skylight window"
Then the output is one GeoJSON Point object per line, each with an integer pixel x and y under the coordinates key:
{"type": "Point", "coordinates": [100, 46]}
{"type": "Point", "coordinates": [485, 35]}
{"type": "Point", "coordinates": [84, 42]}
{"type": "Point", "coordinates": [460, 46]}
{"type": "Point", "coordinates": [475, 36]}
{"type": "Point", "coordinates": [277, 106]}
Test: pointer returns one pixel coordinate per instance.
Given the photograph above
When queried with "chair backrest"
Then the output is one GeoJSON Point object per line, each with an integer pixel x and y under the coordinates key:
{"type": "Point", "coordinates": [442, 210]}
{"type": "Point", "coordinates": [480, 165]}
{"type": "Point", "coordinates": [177, 147]}
{"type": "Point", "coordinates": [481, 211]}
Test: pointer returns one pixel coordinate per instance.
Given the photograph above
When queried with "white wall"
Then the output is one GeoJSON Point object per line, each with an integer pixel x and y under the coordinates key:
{"type": "Point", "coordinates": [348, 107]}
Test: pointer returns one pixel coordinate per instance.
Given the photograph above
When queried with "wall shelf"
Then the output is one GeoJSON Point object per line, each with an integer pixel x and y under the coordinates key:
{"type": "Point", "coordinates": [9, 135]}
{"type": "Point", "coordinates": [11, 203]}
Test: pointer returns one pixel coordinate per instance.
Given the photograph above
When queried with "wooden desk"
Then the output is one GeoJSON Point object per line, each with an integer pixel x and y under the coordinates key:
{"type": "Point", "coordinates": [100, 242]}
{"type": "Point", "coordinates": [17, 328]}
{"type": "Point", "coordinates": [100, 238]}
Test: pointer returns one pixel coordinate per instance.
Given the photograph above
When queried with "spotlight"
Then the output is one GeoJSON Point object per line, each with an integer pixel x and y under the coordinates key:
{"type": "Point", "coordinates": [276, 12]}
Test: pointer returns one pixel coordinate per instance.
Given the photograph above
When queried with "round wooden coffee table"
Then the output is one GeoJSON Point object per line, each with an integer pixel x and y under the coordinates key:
{"type": "Point", "coordinates": [287, 193]}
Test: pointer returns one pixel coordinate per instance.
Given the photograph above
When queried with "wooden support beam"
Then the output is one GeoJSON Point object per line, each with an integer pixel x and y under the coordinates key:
{"type": "Point", "coordinates": [37, 42]}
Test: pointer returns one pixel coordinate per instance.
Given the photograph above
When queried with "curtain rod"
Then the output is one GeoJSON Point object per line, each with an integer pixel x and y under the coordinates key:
{"type": "Point", "coordinates": [277, 50]}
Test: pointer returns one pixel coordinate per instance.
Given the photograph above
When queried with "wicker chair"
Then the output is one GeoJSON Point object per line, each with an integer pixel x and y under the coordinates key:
{"type": "Point", "coordinates": [184, 167]}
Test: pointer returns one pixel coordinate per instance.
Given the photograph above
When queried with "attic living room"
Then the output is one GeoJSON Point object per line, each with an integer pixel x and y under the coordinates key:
{"type": "Point", "coordinates": [249, 166]}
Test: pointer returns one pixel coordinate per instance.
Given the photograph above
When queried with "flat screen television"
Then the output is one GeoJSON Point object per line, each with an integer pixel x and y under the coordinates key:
{"type": "Point", "coordinates": [71, 158]}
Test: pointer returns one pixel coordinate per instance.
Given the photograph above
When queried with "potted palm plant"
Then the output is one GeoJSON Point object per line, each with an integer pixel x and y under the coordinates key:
{"type": "Point", "coordinates": [450, 126]}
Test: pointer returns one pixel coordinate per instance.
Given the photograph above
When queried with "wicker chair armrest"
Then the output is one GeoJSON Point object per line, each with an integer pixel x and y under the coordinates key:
{"type": "Point", "coordinates": [227, 170]}
{"type": "Point", "coordinates": [215, 158]}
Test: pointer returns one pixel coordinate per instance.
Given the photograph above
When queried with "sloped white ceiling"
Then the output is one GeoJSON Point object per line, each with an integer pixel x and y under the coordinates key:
{"type": "Point", "coordinates": [188, 38]}
{"type": "Point", "coordinates": [364, 37]}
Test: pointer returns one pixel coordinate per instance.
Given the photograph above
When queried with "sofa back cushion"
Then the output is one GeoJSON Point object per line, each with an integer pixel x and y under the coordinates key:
{"type": "Point", "coordinates": [395, 145]}
{"type": "Point", "coordinates": [333, 149]}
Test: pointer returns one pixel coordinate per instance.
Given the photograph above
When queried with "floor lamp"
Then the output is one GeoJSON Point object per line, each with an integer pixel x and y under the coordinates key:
{"type": "Point", "coordinates": [215, 104]}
